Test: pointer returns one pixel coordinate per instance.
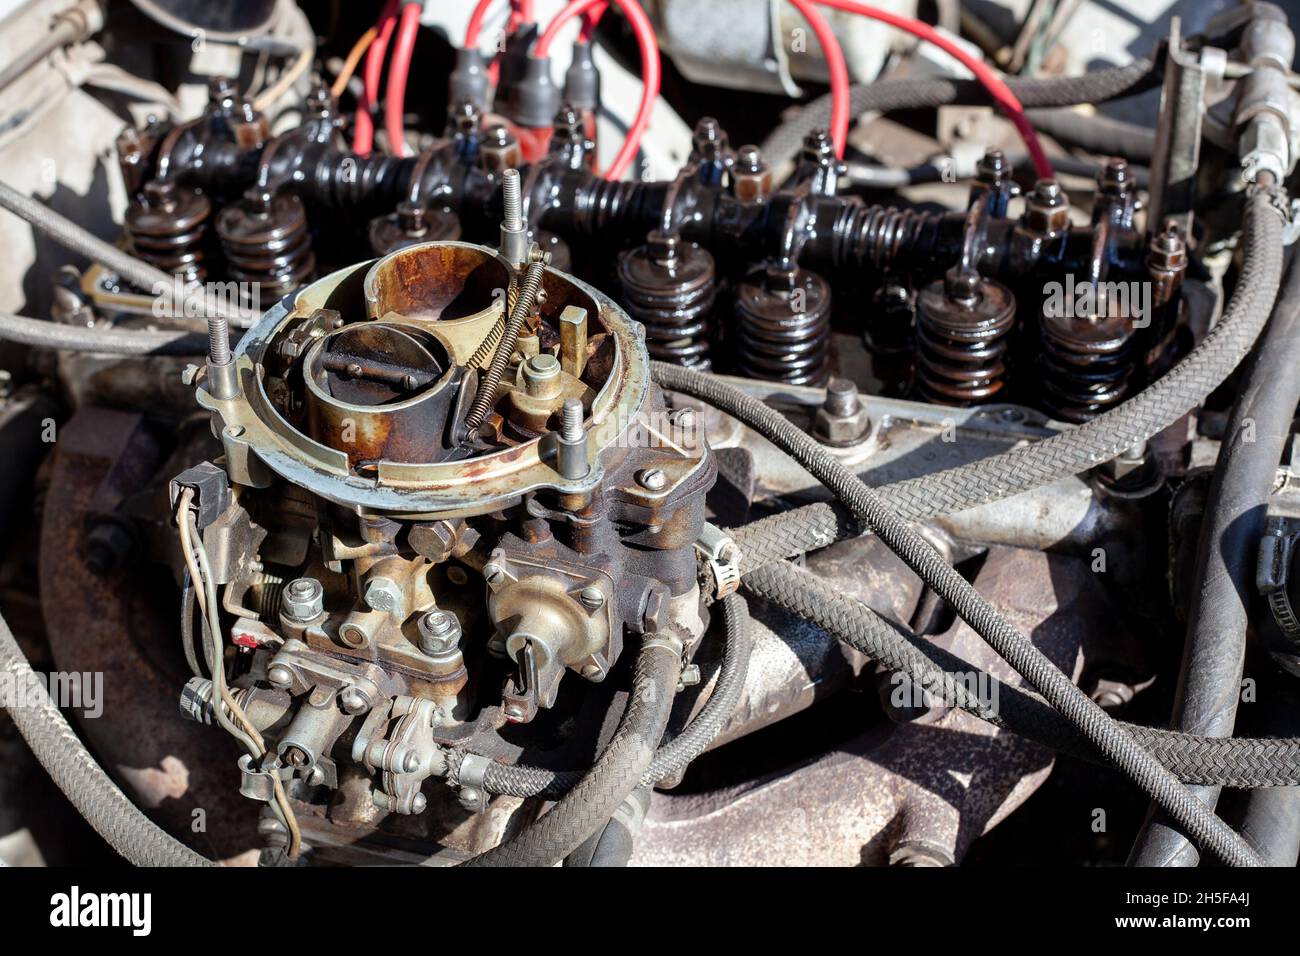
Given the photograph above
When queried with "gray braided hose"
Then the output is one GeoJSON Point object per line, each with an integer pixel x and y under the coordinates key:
{"type": "Point", "coordinates": [1070, 452]}
{"type": "Point", "coordinates": [616, 772]}
{"type": "Point", "coordinates": [70, 765]}
{"type": "Point", "coordinates": [784, 142]}
{"type": "Point", "coordinates": [676, 755]}
{"type": "Point", "coordinates": [1239, 762]}
{"type": "Point", "coordinates": [1112, 740]}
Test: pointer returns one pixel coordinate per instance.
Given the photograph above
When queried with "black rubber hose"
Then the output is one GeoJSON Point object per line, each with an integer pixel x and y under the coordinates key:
{"type": "Point", "coordinates": [673, 757]}
{"type": "Point", "coordinates": [1077, 449]}
{"type": "Point", "coordinates": [75, 772]}
{"type": "Point", "coordinates": [613, 844]}
{"type": "Point", "coordinates": [616, 773]}
{"type": "Point", "coordinates": [783, 143]}
{"type": "Point", "coordinates": [1214, 653]}
{"type": "Point", "coordinates": [74, 338]}
{"type": "Point", "coordinates": [1097, 133]}
{"type": "Point", "coordinates": [1237, 762]}
{"type": "Point", "coordinates": [1116, 743]}
{"type": "Point", "coordinates": [1270, 820]}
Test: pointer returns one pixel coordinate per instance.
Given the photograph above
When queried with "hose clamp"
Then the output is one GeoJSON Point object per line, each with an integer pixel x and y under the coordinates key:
{"type": "Point", "coordinates": [1273, 571]}
{"type": "Point", "coordinates": [472, 774]}
{"type": "Point", "coordinates": [720, 557]}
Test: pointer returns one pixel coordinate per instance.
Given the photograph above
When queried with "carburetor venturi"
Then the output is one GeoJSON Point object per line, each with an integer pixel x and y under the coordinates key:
{"type": "Point", "coordinates": [353, 388]}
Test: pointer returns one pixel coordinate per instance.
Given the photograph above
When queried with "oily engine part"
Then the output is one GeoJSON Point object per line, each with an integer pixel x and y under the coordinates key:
{"type": "Point", "coordinates": [482, 458]}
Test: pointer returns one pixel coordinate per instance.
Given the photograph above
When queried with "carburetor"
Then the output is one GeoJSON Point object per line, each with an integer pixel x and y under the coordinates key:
{"type": "Point", "coordinates": [447, 481]}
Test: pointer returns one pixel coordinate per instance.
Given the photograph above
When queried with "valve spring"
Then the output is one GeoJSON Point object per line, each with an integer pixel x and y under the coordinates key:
{"type": "Point", "coordinates": [1087, 364]}
{"type": "Point", "coordinates": [669, 286]}
{"type": "Point", "coordinates": [784, 326]}
{"type": "Point", "coordinates": [167, 225]}
{"type": "Point", "coordinates": [962, 328]}
{"type": "Point", "coordinates": [266, 243]}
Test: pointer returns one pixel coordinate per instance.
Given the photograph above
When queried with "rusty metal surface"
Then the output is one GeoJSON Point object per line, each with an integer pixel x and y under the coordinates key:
{"type": "Point", "coordinates": [118, 626]}
{"type": "Point", "coordinates": [917, 792]}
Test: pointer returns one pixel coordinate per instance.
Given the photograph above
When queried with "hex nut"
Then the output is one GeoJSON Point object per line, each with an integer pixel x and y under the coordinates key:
{"type": "Point", "coordinates": [303, 599]}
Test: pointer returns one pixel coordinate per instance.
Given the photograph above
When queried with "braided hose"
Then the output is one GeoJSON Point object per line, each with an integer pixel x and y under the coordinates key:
{"type": "Point", "coordinates": [784, 142]}
{"type": "Point", "coordinates": [1077, 449]}
{"type": "Point", "coordinates": [1199, 760]}
{"type": "Point", "coordinates": [1111, 739]}
{"type": "Point", "coordinates": [74, 771]}
{"type": "Point", "coordinates": [676, 755]}
{"type": "Point", "coordinates": [616, 773]}
{"type": "Point", "coordinates": [487, 389]}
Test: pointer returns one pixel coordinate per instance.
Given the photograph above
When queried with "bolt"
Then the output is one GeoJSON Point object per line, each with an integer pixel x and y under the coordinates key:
{"type": "Point", "coordinates": [514, 712]}
{"type": "Point", "coordinates": [439, 632]}
{"type": "Point", "coordinates": [511, 200]}
{"type": "Point", "coordinates": [354, 701]}
{"type": "Point", "coordinates": [1047, 192]}
{"type": "Point", "coordinates": [469, 798]}
{"type": "Point", "coordinates": [592, 672]}
{"type": "Point", "coordinates": [841, 397]}
{"type": "Point", "coordinates": [652, 479]}
{"type": "Point", "coordinates": [419, 803]}
{"type": "Point", "coordinates": [280, 675]}
{"type": "Point", "coordinates": [493, 574]}
{"type": "Point", "coordinates": [295, 756]}
{"type": "Point", "coordinates": [592, 598]}
{"type": "Point", "coordinates": [749, 159]}
{"type": "Point", "coordinates": [383, 594]}
{"type": "Point", "coordinates": [411, 762]}
{"type": "Point", "coordinates": [303, 599]}
{"type": "Point", "coordinates": [571, 420]}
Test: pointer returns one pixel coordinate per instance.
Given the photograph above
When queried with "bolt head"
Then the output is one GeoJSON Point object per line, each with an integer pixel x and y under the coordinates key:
{"type": "Point", "coordinates": [383, 594]}
{"type": "Point", "coordinates": [469, 798]}
{"type": "Point", "coordinates": [493, 574]}
{"type": "Point", "coordinates": [592, 598]}
{"type": "Point", "coordinates": [419, 803]}
{"type": "Point", "coordinates": [354, 701]}
{"type": "Point", "coordinates": [280, 676]}
{"type": "Point", "coordinates": [411, 762]}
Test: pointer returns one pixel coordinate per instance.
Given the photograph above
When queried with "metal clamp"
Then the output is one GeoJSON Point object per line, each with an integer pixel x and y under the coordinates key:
{"type": "Point", "coordinates": [473, 772]}
{"type": "Point", "coordinates": [719, 553]}
{"type": "Point", "coordinates": [1272, 572]}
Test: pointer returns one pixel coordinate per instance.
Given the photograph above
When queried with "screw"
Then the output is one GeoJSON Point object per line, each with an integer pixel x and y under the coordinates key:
{"type": "Point", "coordinates": [592, 672]}
{"type": "Point", "coordinates": [493, 574]}
{"type": "Point", "coordinates": [841, 398]}
{"type": "Point", "coordinates": [419, 803]}
{"type": "Point", "coordinates": [652, 479]}
{"type": "Point", "coordinates": [280, 676]}
{"type": "Point", "coordinates": [411, 762]}
{"type": "Point", "coordinates": [295, 756]}
{"type": "Point", "coordinates": [592, 598]}
{"type": "Point", "coordinates": [469, 798]}
{"type": "Point", "coordinates": [354, 701]}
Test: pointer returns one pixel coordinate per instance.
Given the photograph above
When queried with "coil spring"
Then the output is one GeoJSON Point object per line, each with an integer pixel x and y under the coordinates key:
{"type": "Point", "coordinates": [962, 328]}
{"type": "Point", "coordinates": [670, 286]}
{"type": "Point", "coordinates": [878, 235]}
{"type": "Point", "coordinates": [1087, 364]}
{"type": "Point", "coordinates": [166, 227]}
{"type": "Point", "coordinates": [784, 322]}
{"type": "Point", "coordinates": [266, 243]}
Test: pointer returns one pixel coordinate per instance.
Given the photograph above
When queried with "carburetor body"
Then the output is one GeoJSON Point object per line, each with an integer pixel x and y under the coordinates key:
{"type": "Point", "coordinates": [404, 586]}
